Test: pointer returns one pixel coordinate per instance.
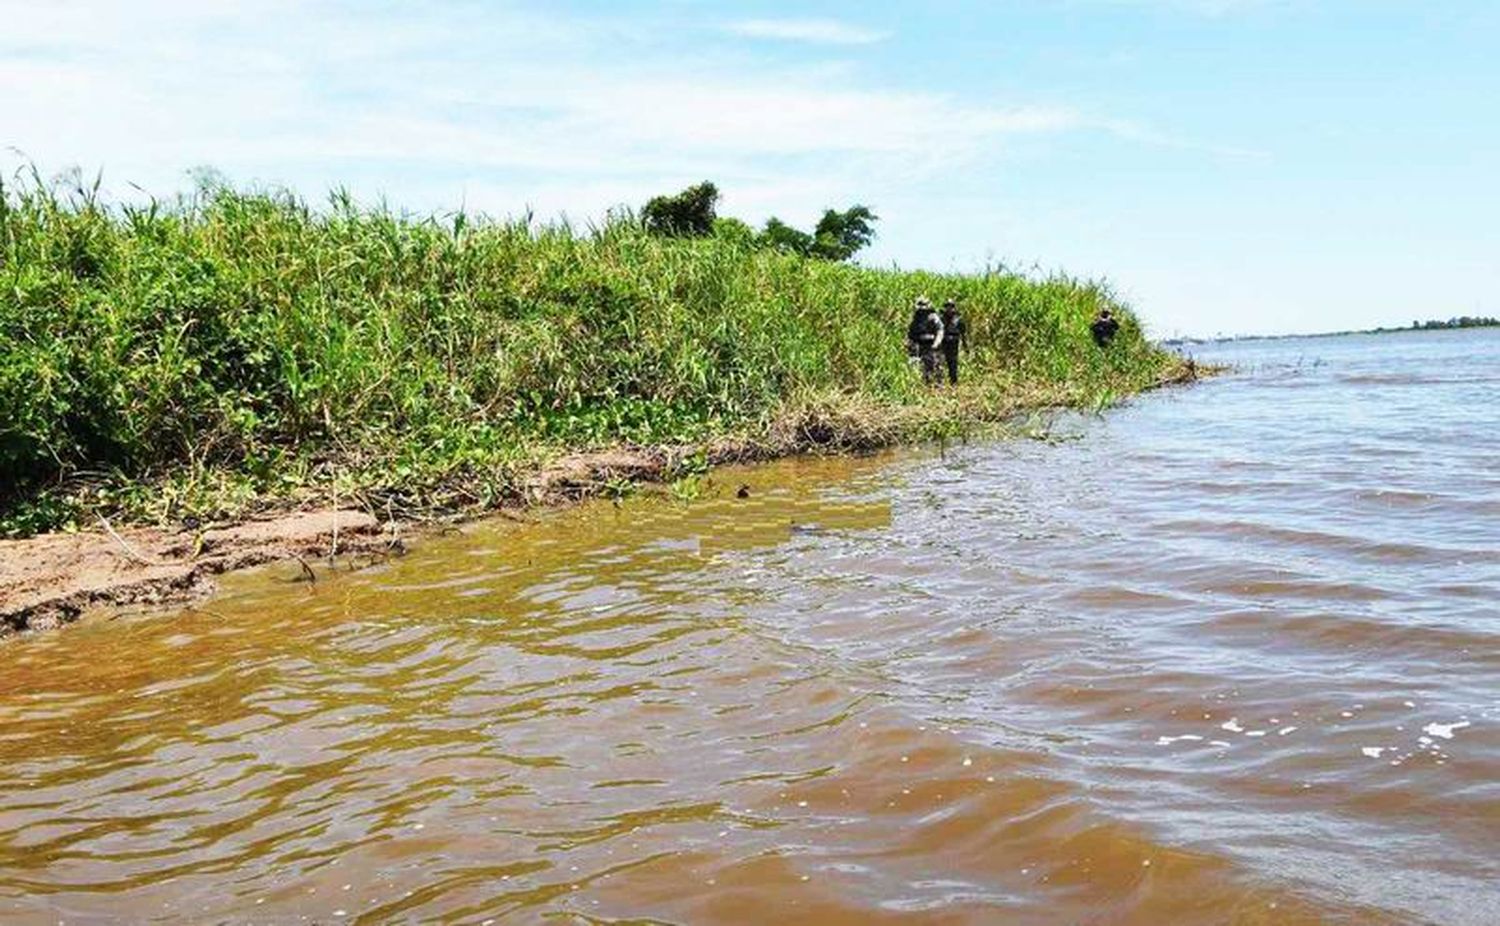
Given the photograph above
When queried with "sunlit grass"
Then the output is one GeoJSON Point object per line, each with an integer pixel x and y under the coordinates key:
{"type": "Point", "coordinates": [231, 349]}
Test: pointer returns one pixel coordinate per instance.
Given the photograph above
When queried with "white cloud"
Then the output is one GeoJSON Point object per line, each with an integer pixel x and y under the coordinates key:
{"type": "Point", "coordinates": [493, 109]}
{"type": "Point", "coordinates": [817, 31]}
{"type": "Point", "coordinates": [495, 105]}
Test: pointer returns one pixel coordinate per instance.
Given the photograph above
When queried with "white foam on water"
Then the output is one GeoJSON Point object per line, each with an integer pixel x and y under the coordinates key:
{"type": "Point", "coordinates": [1445, 730]}
{"type": "Point", "coordinates": [1374, 752]}
{"type": "Point", "coordinates": [1285, 730]}
{"type": "Point", "coordinates": [1186, 738]}
{"type": "Point", "coordinates": [1232, 725]}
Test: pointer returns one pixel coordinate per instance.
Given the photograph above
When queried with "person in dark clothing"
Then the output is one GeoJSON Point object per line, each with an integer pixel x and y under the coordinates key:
{"type": "Point", "coordinates": [954, 336]}
{"type": "Point", "coordinates": [924, 336]}
{"type": "Point", "coordinates": [1104, 328]}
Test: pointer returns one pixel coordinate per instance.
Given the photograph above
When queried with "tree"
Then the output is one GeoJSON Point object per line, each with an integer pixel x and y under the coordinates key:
{"type": "Point", "coordinates": [689, 214]}
{"type": "Point", "coordinates": [838, 235]}
{"type": "Point", "coordinates": [784, 237]}
{"type": "Point", "coordinates": [841, 235]}
{"type": "Point", "coordinates": [734, 230]}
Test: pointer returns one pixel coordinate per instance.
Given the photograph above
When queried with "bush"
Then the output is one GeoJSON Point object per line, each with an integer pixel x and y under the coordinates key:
{"type": "Point", "coordinates": [689, 214]}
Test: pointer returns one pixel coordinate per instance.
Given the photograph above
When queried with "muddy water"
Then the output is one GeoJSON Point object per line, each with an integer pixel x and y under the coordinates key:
{"type": "Point", "coordinates": [1227, 655]}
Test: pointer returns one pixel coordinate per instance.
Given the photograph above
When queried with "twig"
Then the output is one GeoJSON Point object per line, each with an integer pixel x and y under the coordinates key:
{"type": "Point", "coordinates": [129, 550]}
{"type": "Point", "coordinates": [312, 577]}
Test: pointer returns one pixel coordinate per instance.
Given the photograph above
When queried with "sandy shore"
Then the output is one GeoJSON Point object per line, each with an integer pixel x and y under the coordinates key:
{"type": "Point", "coordinates": [53, 579]}
{"type": "Point", "coordinates": [50, 580]}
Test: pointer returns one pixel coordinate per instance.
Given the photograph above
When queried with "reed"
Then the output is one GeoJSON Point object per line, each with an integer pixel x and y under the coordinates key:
{"type": "Point", "coordinates": [232, 349]}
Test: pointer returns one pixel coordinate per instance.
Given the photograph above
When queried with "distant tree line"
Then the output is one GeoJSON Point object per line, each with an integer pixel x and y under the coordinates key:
{"type": "Point", "coordinates": [692, 213]}
{"type": "Point", "coordinates": [1462, 321]}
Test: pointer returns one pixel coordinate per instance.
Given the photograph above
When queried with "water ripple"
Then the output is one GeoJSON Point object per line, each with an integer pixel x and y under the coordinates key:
{"type": "Point", "coordinates": [1229, 657]}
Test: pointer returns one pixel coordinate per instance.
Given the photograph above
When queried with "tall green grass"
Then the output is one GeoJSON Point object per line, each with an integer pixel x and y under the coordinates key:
{"type": "Point", "coordinates": [185, 357]}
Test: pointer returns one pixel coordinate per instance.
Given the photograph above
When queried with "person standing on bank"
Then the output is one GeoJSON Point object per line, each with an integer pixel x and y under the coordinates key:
{"type": "Point", "coordinates": [1104, 328]}
{"type": "Point", "coordinates": [924, 336]}
{"type": "Point", "coordinates": [955, 335]}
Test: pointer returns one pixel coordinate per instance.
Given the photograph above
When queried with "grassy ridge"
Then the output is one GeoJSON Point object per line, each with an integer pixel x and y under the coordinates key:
{"type": "Point", "coordinates": [192, 357]}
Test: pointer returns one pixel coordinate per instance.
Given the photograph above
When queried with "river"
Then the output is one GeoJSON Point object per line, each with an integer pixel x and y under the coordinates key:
{"type": "Point", "coordinates": [1229, 654]}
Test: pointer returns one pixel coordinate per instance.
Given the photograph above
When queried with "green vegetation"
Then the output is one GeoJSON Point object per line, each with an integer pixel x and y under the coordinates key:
{"type": "Point", "coordinates": [838, 235]}
{"type": "Point", "coordinates": [234, 349]}
{"type": "Point", "coordinates": [689, 214]}
{"type": "Point", "coordinates": [1462, 321]}
{"type": "Point", "coordinates": [693, 213]}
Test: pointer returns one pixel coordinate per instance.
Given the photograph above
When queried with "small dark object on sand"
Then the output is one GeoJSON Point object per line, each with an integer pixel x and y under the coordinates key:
{"type": "Point", "coordinates": [744, 492]}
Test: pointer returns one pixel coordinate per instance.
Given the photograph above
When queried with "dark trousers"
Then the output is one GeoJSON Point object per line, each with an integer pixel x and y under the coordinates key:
{"type": "Point", "coordinates": [931, 372]}
{"type": "Point", "coordinates": [950, 354]}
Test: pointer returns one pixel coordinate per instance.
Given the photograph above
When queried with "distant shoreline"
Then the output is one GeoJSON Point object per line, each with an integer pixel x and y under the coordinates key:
{"type": "Point", "coordinates": [1452, 324]}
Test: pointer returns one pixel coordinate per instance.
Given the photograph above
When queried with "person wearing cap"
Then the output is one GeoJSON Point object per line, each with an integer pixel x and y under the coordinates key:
{"type": "Point", "coordinates": [923, 337]}
{"type": "Point", "coordinates": [1104, 327]}
{"type": "Point", "coordinates": [954, 336]}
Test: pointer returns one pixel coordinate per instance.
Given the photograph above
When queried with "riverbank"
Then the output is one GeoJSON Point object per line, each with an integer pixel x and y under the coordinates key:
{"type": "Point", "coordinates": [52, 579]}
{"type": "Point", "coordinates": [231, 356]}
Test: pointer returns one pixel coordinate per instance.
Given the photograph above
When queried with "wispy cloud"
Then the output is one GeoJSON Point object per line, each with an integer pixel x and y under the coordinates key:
{"type": "Point", "coordinates": [564, 114]}
{"type": "Point", "coordinates": [815, 31]}
{"type": "Point", "coordinates": [499, 110]}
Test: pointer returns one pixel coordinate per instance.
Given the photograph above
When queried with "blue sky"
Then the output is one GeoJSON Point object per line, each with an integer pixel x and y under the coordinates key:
{"type": "Point", "coordinates": [1230, 166]}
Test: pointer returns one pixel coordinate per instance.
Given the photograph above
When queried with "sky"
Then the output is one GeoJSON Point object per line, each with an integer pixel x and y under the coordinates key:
{"type": "Point", "coordinates": [1229, 166]}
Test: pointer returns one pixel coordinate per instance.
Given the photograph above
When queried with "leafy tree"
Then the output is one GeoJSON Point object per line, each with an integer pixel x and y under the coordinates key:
{"type": "Point", "coordinates": [841, 235]}
{"type": "Point", "coordinates": [784, 237]}
{"type": "Point", "coordinates": [689, 214]}
{"type": "Point", "coordinates": [838, 235]}
{"type": "Point", "coordinates": [734, 230]}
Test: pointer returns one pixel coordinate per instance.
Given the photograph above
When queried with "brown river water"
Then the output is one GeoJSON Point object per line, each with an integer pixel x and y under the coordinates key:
{"type": "Point", "coordinates": [1230, 654]}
